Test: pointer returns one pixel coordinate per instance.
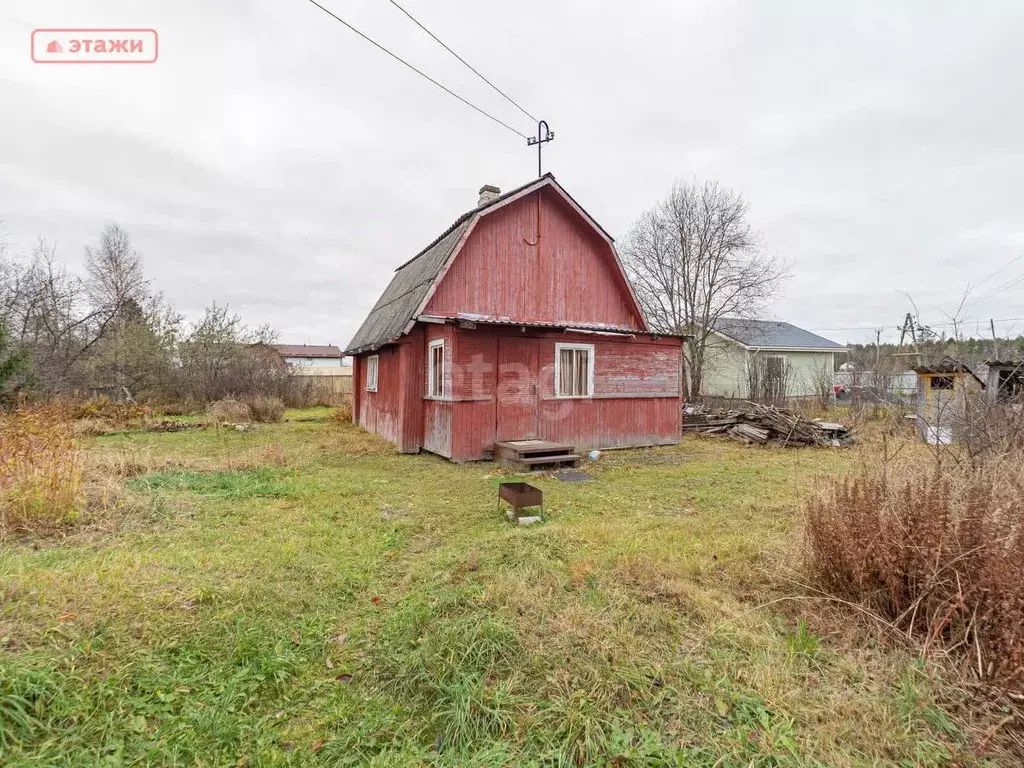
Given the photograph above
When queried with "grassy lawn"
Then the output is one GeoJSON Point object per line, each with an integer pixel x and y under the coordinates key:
{"type": "Point", "coordinates": [301, 594]}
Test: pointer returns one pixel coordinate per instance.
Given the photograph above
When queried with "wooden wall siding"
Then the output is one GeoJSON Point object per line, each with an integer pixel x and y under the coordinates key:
{"type": "Point", "coordinates": [571, 276]}
{"type": "Point", "coordinates": [379, 411]}
{"type": "Point", "coordinates": [412, 361]}
{"type": "Point", "coordinates": [621, 368]}
{"type": "Point", "coordinates": [611, 423]}
{"type": "Point", "coordinates": [637, 391]}
{"type": "Point", "coordinates": [437, 427]}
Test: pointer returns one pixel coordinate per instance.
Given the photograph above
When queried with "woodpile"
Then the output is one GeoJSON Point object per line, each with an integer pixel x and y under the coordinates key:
{"type": "Point", "coordinates": [765, 424]}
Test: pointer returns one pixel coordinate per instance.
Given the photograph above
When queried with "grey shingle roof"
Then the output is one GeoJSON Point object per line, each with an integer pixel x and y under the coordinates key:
{"type": "Point", "coordinates": [398, 304]}
{"type": "Point", "coordinates": [771, 334]}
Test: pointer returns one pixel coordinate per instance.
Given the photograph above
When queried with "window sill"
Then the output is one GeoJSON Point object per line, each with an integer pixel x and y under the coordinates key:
{"type": "Point", "coordinates": [574, 397]}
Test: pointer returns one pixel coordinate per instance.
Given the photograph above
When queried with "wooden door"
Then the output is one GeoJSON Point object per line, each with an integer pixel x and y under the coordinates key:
{"type": "Point", "coordinates": [517, 389]}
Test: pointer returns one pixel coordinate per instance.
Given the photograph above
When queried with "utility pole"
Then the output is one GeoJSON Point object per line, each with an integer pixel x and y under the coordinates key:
{"type": "Point", "coordinates": [995, 341]}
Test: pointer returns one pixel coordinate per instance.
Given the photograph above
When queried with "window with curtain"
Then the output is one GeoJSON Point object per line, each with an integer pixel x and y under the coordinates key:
{"type": "Point", "coordinates": [371, 373]}
{"type": "Point", "coordinates": [574, 370]}
{"type": "Point", "coordinates": [435, 369]}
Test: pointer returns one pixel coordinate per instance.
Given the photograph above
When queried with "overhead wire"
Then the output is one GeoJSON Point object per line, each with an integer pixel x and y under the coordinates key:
{"type": "Point", "coordinates": [473, 69]}
{"type": "Point", "coordinates": [927, 325]}
{"type": "Point", "coordinates": [419, 72]}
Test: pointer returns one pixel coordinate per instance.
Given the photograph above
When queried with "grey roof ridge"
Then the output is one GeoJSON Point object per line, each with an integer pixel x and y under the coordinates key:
{"type": "Point", "coordinates": [465, 216]}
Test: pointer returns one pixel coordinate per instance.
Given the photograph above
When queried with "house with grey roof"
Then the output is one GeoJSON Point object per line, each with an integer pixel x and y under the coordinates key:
{"type": "Point", "coordinates": [766, 359]}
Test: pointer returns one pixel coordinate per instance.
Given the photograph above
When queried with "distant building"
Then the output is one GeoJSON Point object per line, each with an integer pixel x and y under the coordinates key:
{"type": "Point", "coordinates": [1005, 381]}
{"type": "Point", "coordinates": [320, 374]}
{"type": "Point", "coordinates": [946, 395]}
{"type": "Point", "coordinates": [311, 355]}
{"type": "Point", "coordinates": [748, 358]}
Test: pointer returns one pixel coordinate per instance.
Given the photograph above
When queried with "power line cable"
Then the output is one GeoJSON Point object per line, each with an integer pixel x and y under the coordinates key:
{"type": "Point", "coordinates": [473, 69]}
{"type": "Point", "coordinates": [419, 72]}
{"type": "Point", "coordinates": [926, 325]}
{"type": "Point", "coordinates": [1010, 263]}
{"type": "Point", "coordinates": [998, 289]}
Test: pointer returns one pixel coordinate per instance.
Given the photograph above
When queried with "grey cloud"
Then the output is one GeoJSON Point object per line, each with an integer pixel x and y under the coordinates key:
{"type": "Point", "coordinates": [273, 161]}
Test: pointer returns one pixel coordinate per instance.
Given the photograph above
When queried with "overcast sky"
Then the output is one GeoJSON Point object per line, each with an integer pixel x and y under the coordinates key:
{"type": "Point", "coordinates": [273, 161]}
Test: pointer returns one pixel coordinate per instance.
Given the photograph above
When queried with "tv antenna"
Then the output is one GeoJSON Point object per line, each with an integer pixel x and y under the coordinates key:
{"type": "Point", "coordinates": [544, 135]}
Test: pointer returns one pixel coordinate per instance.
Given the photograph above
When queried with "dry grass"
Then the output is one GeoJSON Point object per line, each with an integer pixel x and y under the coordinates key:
{"type": "Point", "coordinates": [343, 604]}
{"type": "Point", "coordinates": [228, 411]}
{"type": "Point", "coordinates": [265, 409]}
{"type": "Point", "coordinates": [343, 413]}
{"type": "Point", "coordinates": [40, 471]}
{"type": "Point", "coordinates": [938, 554]}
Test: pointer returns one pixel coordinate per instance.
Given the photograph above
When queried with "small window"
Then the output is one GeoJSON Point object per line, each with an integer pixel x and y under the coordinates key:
{"type": "Point", "coordinates": [435, 369]}
{"type": "Point", "coordinates": [574, 370]}
{"type": "Point", "coordinates": [942, 382]}
{"type": "Point", "coordinates": [371, 373]}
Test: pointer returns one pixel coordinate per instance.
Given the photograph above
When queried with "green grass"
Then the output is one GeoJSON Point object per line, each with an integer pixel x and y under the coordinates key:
{"type": "Point", "coordinates": [316, 599]}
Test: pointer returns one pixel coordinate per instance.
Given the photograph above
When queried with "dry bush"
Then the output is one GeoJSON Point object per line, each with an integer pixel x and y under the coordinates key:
{"type": "Point", "coordinates": [343, 413]}
{"type": "Point", "coordinates": [116, 416]}
{"type": "Point", "coordinates": [40, 471]}
{"type": "Point", "coordinates": [938, 554]}
{"type": "Point", "coordinates": [265, 409]}
{"type": "Point", "coordinates": [184, 407]}
{"type": "Point", "coordinates": [228, 411]}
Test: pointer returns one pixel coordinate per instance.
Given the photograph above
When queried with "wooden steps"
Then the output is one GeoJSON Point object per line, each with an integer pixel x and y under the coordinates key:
{"type": "Point", "coordinates": [534, 454]}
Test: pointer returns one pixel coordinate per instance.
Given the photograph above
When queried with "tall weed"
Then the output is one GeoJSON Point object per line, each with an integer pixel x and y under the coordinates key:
{"type": "Point", "coordinates": [940, 554]}
{"type": "Point", "coordinates": [40, 471]}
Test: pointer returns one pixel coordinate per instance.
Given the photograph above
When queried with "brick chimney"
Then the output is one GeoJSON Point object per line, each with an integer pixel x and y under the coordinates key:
{"type": "Point", "coordinates": [487, 194]}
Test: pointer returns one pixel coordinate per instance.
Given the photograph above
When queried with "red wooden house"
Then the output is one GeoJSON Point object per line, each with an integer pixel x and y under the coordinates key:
{"type": "Point", "coordinates": [516, 323]}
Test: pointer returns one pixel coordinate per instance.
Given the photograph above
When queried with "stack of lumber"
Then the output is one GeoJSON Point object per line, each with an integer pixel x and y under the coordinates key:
{"type": "Point", "coordinates": [766, 424]}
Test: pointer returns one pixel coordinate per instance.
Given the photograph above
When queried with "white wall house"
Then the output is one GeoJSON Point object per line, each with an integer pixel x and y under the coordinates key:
{"type": "Point", "coordinates": [739, 351]}
{"type": "Point", "coordinates": [312, 356]}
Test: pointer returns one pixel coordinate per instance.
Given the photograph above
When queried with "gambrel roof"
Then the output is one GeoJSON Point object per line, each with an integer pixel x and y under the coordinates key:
{"type": "Point", "coordinates": [411, 287]}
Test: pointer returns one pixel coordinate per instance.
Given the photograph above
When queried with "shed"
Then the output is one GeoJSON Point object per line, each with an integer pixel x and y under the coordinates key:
{"type": "Point", "coordinates": [946, 393]}
{"type": "Point", "coordinates": [516, 323]}
{"type": "Point", "coordinates": [1005, 381]}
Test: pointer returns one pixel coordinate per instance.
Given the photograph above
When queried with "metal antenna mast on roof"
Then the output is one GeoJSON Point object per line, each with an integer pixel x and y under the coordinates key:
{"type": "Point", "coordinates": [544, 135]}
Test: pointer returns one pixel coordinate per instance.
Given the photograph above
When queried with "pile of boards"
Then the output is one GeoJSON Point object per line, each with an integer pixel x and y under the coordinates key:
{"type": "Point", "coordinates": [765, 424]}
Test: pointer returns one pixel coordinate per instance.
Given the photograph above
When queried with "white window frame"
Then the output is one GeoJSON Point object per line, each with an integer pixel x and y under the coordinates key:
{"type": "Point", "coordinates": [589, 349]}
{"type": "Point", "coordinates": [372, 366]}
{"type": "Point", "coordinates": [431, 394]}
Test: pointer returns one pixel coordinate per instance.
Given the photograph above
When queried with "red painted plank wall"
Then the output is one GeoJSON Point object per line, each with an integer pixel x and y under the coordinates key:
{"type": "Point", "coordinates": [569, 276]}
{"type": "Point", "coordinates": [637, 391]}
{"type": "Point", "coordinates": [379, 411]}
{"type": "Point", "coordinates": [412, 357]}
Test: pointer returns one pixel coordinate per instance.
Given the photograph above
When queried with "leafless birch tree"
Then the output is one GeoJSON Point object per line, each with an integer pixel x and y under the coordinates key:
{"type": "Point", "coordinates": [694, 258]}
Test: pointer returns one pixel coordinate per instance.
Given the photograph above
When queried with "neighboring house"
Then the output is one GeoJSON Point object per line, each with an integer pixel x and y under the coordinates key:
{"type": "Point", "coordinates": [320, 373]}
{"type": "Point", "coordinates": [310, 355]}
{"type": "Point", "coordinates": [516, 323]}
{"type": "Point", "coordinates": [759, 358]}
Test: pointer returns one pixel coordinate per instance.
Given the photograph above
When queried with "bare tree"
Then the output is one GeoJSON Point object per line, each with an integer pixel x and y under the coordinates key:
{"type": "Point", "coordinates": [222, 357]}
{"type": "Point", "coordinates": [693, 258]}
{"type": "Point", "coordinates": [59, 317]}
